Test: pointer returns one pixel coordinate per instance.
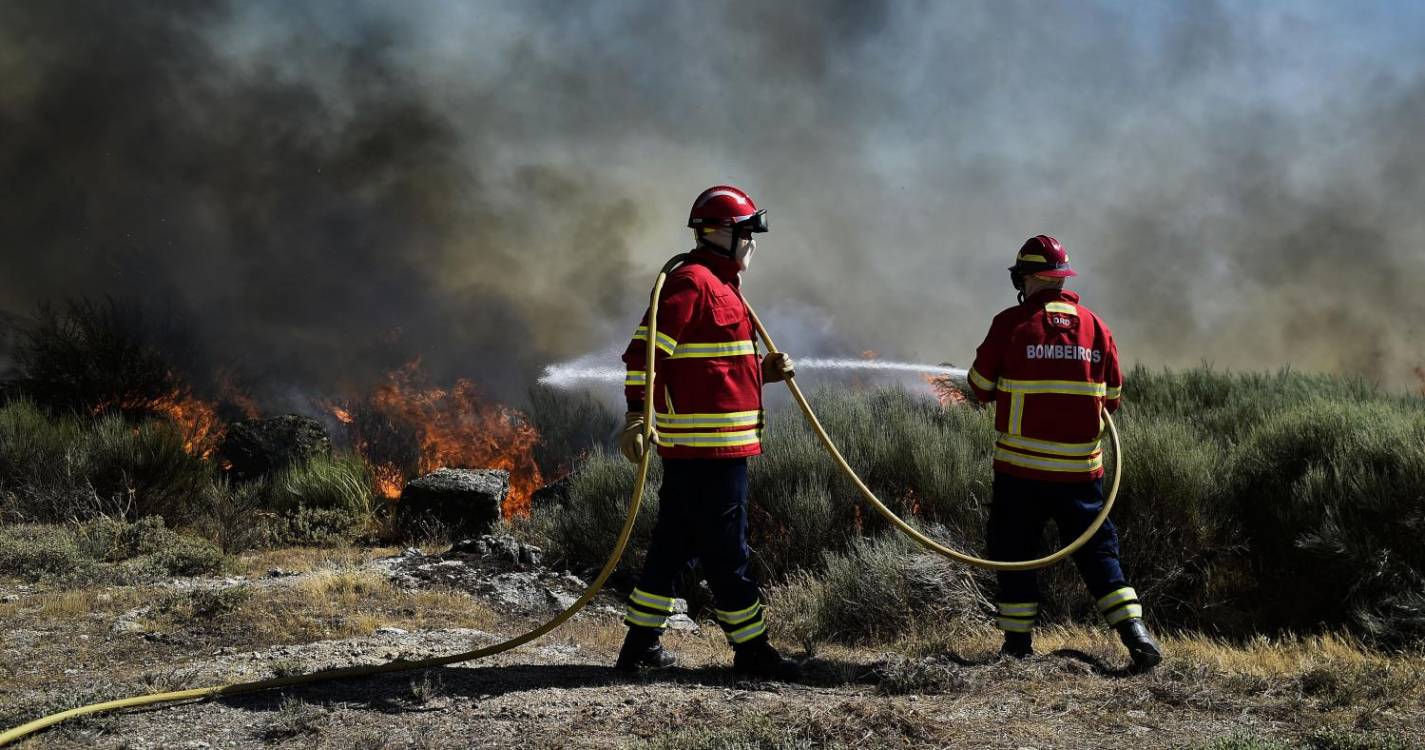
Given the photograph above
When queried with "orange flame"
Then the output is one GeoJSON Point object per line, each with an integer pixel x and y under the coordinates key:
{"type": "Point", "coordinates": [455, 427]}
{"type": "Point", "coordinates": [197, 419]}
{"type": "Point", "coordinates": [945, 390]}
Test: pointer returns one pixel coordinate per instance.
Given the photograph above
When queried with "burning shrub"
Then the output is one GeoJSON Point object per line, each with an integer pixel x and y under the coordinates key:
{"type": "Point", "coordinates": [407, 428]}
{"type": "Point", "coordinates": [88, 356]}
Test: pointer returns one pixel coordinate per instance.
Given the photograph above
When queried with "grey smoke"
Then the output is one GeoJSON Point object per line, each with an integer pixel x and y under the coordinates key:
{"type": "Point", "coordinates": [326, 191]}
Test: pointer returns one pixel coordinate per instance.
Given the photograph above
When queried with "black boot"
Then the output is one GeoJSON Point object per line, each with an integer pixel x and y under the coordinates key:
{"type": "Point", "coordinates": [1145, 651]}
{"type": "Point", "coordinates": [757, 658]}
{"type": "Point", "coordinates": [1018, 645]}
{"type": "Point", "coordinates": [641, 650]}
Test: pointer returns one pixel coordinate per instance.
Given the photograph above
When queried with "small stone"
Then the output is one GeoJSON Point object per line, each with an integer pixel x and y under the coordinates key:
{"type": "Point", "coordinates": [391, 631]}
{"type": "Point", "coordinates": [10, 598]}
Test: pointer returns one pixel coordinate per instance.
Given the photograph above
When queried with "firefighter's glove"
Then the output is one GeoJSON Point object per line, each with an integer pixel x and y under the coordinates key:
{"type": "Point", "coordinates": [630, 441]}
{"type": "Point", "coordinates": [776, 367]}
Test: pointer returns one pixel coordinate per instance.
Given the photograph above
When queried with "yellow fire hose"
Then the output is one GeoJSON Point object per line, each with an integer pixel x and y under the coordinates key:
{"type": "Point", "coordinates": [401, 665]}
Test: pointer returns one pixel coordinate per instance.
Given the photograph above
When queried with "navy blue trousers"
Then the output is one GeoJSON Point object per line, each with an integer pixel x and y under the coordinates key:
{"type": "Point", "coordinates": [1018, 513]}
{"type": "Point", "coordinates": [702, 520]}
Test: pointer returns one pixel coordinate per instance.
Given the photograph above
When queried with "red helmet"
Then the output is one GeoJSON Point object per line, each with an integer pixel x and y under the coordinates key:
{"type": "Point", "coordinates": [727, 206]}
{"type": "Point", "coordinates": [1041, 255]}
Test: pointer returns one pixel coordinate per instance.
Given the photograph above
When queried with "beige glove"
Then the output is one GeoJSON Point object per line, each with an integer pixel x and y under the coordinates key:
{"type": "Point", "coordinates": [630, 441]}
{"type": "Point", "coordinates": [776, 367]}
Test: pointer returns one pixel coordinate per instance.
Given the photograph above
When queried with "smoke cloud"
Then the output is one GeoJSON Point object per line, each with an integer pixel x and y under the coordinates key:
{"type": "Point", "coordinates": [324, 192]}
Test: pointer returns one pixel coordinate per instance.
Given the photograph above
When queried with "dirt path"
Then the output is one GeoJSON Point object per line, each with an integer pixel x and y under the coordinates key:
{"type": "Point", "coordinates": [66, 648]}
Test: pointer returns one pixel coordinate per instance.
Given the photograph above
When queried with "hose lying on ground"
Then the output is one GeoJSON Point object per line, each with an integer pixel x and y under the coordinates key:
{"type": "Point", "coordinates": [401, 665]}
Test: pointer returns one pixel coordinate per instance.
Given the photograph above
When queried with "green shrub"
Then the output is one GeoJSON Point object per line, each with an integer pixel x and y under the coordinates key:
{"type": "Point", "coordinates": [1335, 494]}
{"type": "Point", "coordinates": [145, 470]}
{"type": "Point", "coordinates": [339, 483]}
{"type": "Point", "coordinates": [104, 550]}
{"type": "Point", "coordinates": [324, 501]}
{"type": "Point", "coordinates": [58, 469]}
{"type": "Point", "coordinates": [37, 552]}
{"type": "Point", "coordinates": [874, 591]}
{"type": "Point", "coordinates": [571, 425]}
{"type": "Point", "coordinates": [580, 532]}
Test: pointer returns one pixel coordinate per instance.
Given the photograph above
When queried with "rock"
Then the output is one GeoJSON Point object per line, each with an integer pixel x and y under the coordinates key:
{"type": "Point", "coordinates": [463, 501]}
{"type": "Point", "coordinates": [391, 631]}
{"type": "Point", "coordinates": [256, 447]}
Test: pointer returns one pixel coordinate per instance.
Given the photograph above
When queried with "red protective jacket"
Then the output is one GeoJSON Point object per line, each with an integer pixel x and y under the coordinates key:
{"type": "Point", "coordinates": [1051, 366]}
{"type": "Point", "coordinates": [707, 399]}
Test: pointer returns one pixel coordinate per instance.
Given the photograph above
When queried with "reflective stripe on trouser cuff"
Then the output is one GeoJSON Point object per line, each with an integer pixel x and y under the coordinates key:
{"type": "Point", "coordinates": [665, 342]}
{"type": "Point", "coordinates": [1014, 624]}
{"type": "Point", "coordinates": [1118, 596]}
{"type": "Point", "coordinates": [1126, 612]}
{"type": "Point", "coordinates": [1043, 463]}
{"type": "Point", "coordinates": [710, 439]}
{"type": "Point", "coordinates": [645, 620]}
{"type": "Point", "coordinates": [1017, 609]}
{"type": "Point", "coordinates": [721, 349]}
{"type": "Point", "coordinates": [748, 633]}
{"type": "Point", "coordinates": [740, 616]}
{"type": "Point", "coordinates": [1067, 387]}
{"type": "Point", "coordinates": [693, 421]}
{"type": "Point", "coordinates": [635, 377]}
{"type": "Point", "coordinates": [651, 601]}
{"type": "Point", "coordinates": [1048, 446]}
{"type": "Point", "coordinates": [981, 381]}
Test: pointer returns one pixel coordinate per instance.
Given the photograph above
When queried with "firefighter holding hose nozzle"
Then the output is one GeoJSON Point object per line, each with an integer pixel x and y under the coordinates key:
{"type": "Point", "coordinates": [1051, 367]}
{"type": "Point", "coordinates": [708, 422]}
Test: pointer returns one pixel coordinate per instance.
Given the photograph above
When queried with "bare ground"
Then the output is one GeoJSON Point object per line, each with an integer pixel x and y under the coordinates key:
{"type": "Point", "coordinates": [937, 689]}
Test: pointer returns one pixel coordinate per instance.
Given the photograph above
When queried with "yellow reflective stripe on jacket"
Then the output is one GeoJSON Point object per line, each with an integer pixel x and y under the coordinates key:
{"type": "Point", "coordinates": [665, 342]}
{"type": "Point", "coordinates": [635, 377]}
{"type": "Point", "coordinates": [709, 439]}
{"type": "Point", "coordinates": [1113, 392]}
{"type": "Point", "coordinates": [1070, 387]}
{"type": "Point", "coordinates": [691, 421]}
{"type": "Point", "coordinates": [1062, 307]}
{"type": "Point", "coordinates": [1048, 446]}
{"type": "Point", "coordinates": [723, 349]}
{"type": "Point", "coordinates": [1048, 464]}
{"type": "Point", "coordinates": [981, 381]}
{"type": "Point", "coordinates": [1016, 413]}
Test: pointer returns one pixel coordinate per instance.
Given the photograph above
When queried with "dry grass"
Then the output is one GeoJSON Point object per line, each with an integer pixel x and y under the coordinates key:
{"type": "Point", "coordinates": [327, 605]}
{"type": "Point", "coordinates": [309, 559]}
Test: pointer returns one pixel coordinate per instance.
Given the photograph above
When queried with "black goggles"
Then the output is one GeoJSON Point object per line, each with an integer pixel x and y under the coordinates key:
{"type": "Point", "coordinates": [755, 223]}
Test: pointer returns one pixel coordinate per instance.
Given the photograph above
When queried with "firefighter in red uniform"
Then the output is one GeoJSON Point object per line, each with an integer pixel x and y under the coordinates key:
{"type": "Point", "coordinates": [1051, 367]}
{"type": "Point", "coordinates": [708, 422]}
